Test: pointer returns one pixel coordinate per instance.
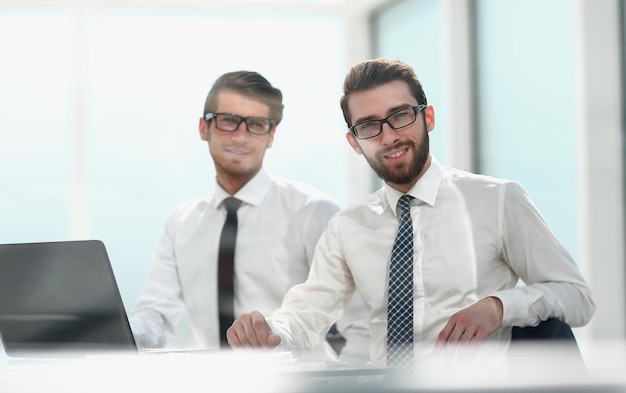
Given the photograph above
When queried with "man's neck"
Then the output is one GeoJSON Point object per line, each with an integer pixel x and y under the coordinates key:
{"type": "Point", "coordinates": [233, 183]}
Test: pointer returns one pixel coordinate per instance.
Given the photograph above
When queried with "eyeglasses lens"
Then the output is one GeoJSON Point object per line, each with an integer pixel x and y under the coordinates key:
{"type": "Point", "coordinates": [399, 119]}
{"type": "Point", "coordinates": [254, 125]}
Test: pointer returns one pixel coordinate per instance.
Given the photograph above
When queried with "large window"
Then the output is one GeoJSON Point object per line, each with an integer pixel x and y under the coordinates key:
{"type": "Point", "coordinates": [527, 104]}
{"type": "Point", "coordinates": [36, 124]}
{"type": "Point", "coordinates": [524, 97]}
{"type": "Point", "coordinates": [541, 81]}
{"type": "Point", "coordinates": [99, 111]}
{"type": "Point", "coordinates": [412, 31]}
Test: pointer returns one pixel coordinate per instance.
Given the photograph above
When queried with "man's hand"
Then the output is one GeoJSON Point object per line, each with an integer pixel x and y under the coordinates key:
{"type": "Point", "coordinates": [470, 326]}
{"type": "Point", "coordinates": [251, 331]}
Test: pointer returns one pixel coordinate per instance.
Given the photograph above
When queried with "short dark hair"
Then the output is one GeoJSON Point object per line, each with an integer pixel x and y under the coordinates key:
{"type": "Point", "coordinates": [251, 84]}
{"type": "Point", "coordinates": [375, 72]}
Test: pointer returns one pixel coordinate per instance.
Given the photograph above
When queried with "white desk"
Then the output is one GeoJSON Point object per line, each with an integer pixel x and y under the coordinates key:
{"type": "Point", "coordinates": [263, 372]}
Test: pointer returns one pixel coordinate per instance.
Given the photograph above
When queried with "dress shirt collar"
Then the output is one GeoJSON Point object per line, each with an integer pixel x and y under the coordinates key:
{"type": "Point", "coordinates": [252, 193]}
{"type": "Point", "coordinates": [425, 190]}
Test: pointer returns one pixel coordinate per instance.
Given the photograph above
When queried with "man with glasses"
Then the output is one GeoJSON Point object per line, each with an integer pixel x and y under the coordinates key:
{"type": "Point", "coordinates": [278, 222]}
{"type": "Point", "coordinates": [435, 254]}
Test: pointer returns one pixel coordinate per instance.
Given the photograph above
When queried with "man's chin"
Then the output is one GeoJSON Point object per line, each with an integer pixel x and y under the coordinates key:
{"type": "Point", "coordinates": [398, 176]}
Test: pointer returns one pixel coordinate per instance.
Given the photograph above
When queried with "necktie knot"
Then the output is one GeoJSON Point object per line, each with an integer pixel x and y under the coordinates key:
{"type": "Point", "coordinates": [231, 204]}
{"type": "Point", "coordinates": [405, 204]}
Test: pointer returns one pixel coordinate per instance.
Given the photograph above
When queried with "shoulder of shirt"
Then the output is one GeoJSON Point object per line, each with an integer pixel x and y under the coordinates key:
{"type": "Point", "coordinates": [184, 209]}
{"type": "Point", "coordinates": [479, 183]}
{"type": "Point", "coordinates": [459, 175]}
{"type": "Point", "coordinates": [374, 202]}
{"type": "Point", "coordinates": [298, 187]}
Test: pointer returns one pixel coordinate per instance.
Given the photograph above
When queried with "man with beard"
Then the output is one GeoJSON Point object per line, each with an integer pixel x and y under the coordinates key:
{"type": "Point", "coordinates": [470, 239]}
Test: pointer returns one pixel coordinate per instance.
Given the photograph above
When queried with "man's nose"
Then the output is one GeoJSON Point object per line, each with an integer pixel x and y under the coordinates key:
{"type": "Point", "coordinates": [389, 136]}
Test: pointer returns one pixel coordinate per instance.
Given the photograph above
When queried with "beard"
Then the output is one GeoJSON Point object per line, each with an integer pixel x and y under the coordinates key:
{"type": "Point", "coordinates": [402, 174]}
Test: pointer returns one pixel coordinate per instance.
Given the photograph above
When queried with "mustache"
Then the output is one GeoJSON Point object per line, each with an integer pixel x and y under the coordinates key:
{"type": "Point", "coordinates": [398, 145]}
{"type": "Point", "coordinates": [239, 148]}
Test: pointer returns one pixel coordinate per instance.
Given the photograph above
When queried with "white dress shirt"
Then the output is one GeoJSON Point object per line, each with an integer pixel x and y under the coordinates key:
{"type": "Point", "coordinates": [474, 236]}
{"type": "Point", "coordinates": [280, 222]}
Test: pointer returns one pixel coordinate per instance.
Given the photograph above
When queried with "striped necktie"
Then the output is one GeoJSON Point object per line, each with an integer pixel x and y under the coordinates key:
{"type": "Point", "coordinates": [400, 306]}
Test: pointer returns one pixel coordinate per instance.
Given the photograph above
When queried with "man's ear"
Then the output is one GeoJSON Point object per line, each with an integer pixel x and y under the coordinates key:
{"type": "Point", "coordinates": [429, 112]}
{"type": "Point", "coordinates": [203, 128]}
{"type": "Point", "coordinates": [353, 143]}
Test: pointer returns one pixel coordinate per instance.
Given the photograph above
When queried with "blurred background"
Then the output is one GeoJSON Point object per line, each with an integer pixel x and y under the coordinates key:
{"type": "Point", "coordinates": [100, 101]}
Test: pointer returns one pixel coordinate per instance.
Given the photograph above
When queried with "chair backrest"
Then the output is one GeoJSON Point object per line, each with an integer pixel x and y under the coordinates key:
{"type": "Point", "coordinates": [552, 332]}
{"type": "Point", "coordinates": [550, 329]}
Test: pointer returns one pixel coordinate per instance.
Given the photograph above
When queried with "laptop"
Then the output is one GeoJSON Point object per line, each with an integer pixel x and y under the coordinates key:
{"type": "Point", "coordinates": [61, 298]}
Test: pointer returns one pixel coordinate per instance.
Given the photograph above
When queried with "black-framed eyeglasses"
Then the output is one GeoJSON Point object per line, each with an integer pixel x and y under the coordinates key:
{"type": "Point", "coordinates": [399, 119]}
{"type": "Point", "coordinates": [230, 122]}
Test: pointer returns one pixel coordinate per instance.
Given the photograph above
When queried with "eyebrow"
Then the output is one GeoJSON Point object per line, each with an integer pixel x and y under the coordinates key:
{"type": "Point", "coordinates": [389, 112]}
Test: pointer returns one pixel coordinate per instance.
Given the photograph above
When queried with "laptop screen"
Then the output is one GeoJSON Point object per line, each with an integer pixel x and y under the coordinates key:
{"type": "Point", "coordinates": [60, 297]}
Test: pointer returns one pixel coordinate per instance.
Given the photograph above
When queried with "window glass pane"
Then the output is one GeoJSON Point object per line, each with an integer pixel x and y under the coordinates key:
{"type": "Point", "coordinates": [412, 31]}
{"type": "Point", "coordinates": [99, 112]}
{"type": "Point", "coordinates": [149, 73]}
{"type": "Point", "coordinates": [527, 103]}
{"type": "Point", "coordinates": [526, 98]}
{"type": "Point", "coordinates": [36, 124]}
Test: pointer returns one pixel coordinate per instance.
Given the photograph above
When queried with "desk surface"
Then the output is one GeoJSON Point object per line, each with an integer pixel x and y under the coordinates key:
{"type": "Point", "coordinates": [262, 372]}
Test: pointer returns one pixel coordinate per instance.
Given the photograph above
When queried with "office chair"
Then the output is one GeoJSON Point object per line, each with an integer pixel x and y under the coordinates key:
{"type": "Point", "coordinates": [555, 333]}
{"type": "Point", "coordinates": [550, 329]}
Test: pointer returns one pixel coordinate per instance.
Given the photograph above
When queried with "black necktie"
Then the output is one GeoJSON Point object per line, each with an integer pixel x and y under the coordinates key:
{"type": "Point", "coordinates": [400, 306]}
{"type": "Point", "coordinates": [226, 268]}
